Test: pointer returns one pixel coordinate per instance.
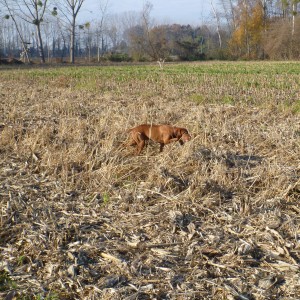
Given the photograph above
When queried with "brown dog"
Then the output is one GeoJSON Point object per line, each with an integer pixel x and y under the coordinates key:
{"type": "Point", "coordinates": [162, 134]}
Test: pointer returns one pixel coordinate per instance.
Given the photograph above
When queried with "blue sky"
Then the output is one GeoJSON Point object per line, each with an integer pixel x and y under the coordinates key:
{"type": "Point", "coordinates": [193, 12]}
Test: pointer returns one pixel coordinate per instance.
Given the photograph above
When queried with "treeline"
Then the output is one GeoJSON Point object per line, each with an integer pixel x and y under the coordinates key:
{"type": "Point", "coordinates": [241, 29]}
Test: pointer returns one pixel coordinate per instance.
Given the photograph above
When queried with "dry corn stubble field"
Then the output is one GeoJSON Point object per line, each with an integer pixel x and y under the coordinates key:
{"type": "Point", "coordinates": [217, 218]}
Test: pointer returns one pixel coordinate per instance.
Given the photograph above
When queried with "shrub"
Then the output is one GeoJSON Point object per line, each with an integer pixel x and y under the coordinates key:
{"type": "Point", "coordinates": [119, 57]}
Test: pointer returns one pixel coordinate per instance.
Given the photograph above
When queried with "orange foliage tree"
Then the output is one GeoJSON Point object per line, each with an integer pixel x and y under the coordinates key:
{"type": "Point", "coordinates": [246, 39]}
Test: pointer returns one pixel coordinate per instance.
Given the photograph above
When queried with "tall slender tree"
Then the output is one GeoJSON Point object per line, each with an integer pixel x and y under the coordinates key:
{"type": "Point", "coordinates": [12, 13]}
{"type": "Point", "coordinates": [246, 38]}
{"type": "Point", "coordinates": [294, 13]}
{"type": "Point", "coordinates": [218, 23]}
{"type": "Point", "coordinates": [70, 10]}
{"type": "Point", "coordinates": [101, 26]}
{"type": "Point", "coordinates": [35, 15]}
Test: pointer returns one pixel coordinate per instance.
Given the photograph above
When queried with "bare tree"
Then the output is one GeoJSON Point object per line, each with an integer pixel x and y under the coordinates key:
{"type": "Point", "coordinates": [229, 13]}
{"type": "Point", "coordinates": [152, 38]}
{"type": "Point", "coordinates": [32, 12]}
{"type": "Point", "coordinates": [218, 23]}
{"type": "Point", "coordinates": [129, 20]}
{"type": "Point", "coordinates": [294, 13]}
{"type": "Point", "coordinates": [35, 15]}
{"type": "Point", "coordinates": [70, 9]}
{"type": "Point", "coordinates": [11, 14]}
{"type": "Point", "coordinates": [146, 24]}
{"type": "Point", "coordinates": [100, 28]}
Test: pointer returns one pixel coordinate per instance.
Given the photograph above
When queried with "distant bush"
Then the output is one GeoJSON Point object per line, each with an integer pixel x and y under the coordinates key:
{"type": "Point", "coordinates": [101, 59]}
{"type": "Point", "coordinates": [10, 61]}
{"type": "Point", "coordinates": [193, 57]}
{"type": "Point", "coordinates": [119, 57]}
{"type": "Point", "coordinates": [143, 59]}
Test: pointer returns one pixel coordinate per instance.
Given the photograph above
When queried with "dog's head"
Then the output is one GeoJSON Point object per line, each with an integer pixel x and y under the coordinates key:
{"type": "Point", "coordinates": [184, 135]}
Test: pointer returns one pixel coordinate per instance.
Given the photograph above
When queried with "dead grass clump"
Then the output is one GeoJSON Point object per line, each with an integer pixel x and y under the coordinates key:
{"type": "Point", "coordinates": [83, 218]}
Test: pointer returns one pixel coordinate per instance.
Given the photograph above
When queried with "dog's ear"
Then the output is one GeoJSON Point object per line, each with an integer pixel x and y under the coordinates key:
{"type": "Point", "coordinates": [185, 136]}
{"type": "Point", "coordinates": [178, 132]}
{"type": "Point", "coordinates": [183, 131]}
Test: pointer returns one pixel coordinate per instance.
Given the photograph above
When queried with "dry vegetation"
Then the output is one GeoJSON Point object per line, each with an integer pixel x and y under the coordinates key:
{"type": "Point", "coordinates": [218, 218]}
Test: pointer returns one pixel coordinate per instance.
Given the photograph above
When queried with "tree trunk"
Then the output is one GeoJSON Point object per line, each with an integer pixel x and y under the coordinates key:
{"type": "Point", "coordinates": [294, 12]}
{"type": "Point", "coordinates": [218, 23]}
{"type": "Point", "coordinates": [72, 44]}
{"type": "Point", "coordinates": [40, 44]}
